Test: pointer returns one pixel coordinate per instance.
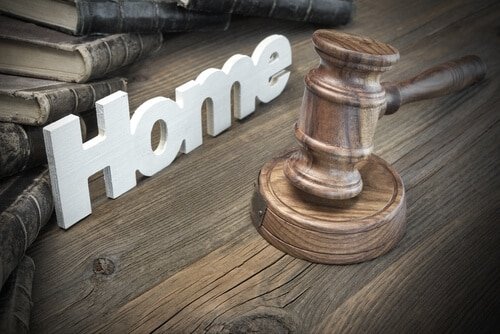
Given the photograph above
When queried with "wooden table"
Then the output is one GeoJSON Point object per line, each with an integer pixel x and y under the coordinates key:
{"type": "Point", "coordinates": [179, 253]}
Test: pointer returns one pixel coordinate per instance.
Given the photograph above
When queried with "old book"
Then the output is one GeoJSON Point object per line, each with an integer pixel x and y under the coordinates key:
{"type": "Point", "coordinates": [15, 298]}
{"type": "Point", "coordinates": [21, 147]}
{"type": "Point", "coordinates": [34, 51]}
{"type": "Point", "coordinates": [325, 12]}
{"type": "Point", "coordinates": [81, 17]}
{"type": "Point", "coordinates": [33, 101]}
{"type": "Point", "coordinates": [26, 205]}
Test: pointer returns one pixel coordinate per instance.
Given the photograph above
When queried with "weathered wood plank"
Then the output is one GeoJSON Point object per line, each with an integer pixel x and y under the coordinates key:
{"type": "Point", "coordinates": [190, 222]}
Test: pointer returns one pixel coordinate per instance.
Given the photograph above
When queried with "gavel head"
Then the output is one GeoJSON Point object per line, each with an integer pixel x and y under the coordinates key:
{"type": "Point", "coordinates": [342, 102]}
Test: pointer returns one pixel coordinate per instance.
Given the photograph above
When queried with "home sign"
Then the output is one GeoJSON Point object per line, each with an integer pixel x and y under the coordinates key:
{"type": "Point", "coordinates": [123, 145]}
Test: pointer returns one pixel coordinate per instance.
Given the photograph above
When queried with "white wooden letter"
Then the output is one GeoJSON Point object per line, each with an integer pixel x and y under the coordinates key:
{"type": "Point", "coordinates": [173, 125]}
{"type": "Point", "coordinates": [71, 162]}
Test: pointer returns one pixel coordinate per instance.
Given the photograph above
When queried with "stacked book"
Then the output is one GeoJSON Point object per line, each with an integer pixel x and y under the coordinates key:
{"type": "Point", "coordinates": [58, 57]}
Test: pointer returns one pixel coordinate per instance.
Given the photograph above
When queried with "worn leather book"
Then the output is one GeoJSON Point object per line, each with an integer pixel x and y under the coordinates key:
{"type": "Point", "coordinates": [34, 51]}
{"type": "Point", "coordinates": [325, 12]}
{"type": "Point", "coordinates": [80, 17]}
{"type": "Point", "coordinates": [15, 298]}
{"type": "Point", "coordinates": [21, 147]}
{"type": "Point", "coordinates": [26, 205]}
{"type": "Point", "coordinates": [33, 101]}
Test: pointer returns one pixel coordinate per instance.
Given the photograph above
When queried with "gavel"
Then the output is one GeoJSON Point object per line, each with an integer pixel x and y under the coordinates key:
{"type": "Point", "coordinates": [332, 200]}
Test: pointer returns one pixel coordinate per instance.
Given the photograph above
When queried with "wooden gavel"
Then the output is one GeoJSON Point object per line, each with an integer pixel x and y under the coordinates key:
{"type": "Point", "coordinates": [311, 203]}
{"type": "Point", "coordinates": [344, 99]}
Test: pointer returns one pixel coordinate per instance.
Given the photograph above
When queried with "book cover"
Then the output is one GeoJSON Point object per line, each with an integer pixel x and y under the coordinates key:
{"type": "Point", "coordinates": [80, 17]}
{"type": "Point", "coordinates": [36, 102]}
{"type": "Point", "coordinates": [35, 51]}
{"type": "Point", "coordinates": [21, 147]}
{"type": "Point", "coordinates": [324, 12]}
{"type": "Point", "coordinates": [15, 298]}
{"type": "Point", "coordinates": [26, 205]}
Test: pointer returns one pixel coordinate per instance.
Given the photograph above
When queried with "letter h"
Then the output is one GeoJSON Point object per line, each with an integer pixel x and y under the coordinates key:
{"type": "Point", "coordinates": [71, 161]}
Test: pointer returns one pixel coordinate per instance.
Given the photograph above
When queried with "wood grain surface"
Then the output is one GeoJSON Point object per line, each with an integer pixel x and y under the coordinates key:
{"type": "Point", "coordinates": [179, 253]}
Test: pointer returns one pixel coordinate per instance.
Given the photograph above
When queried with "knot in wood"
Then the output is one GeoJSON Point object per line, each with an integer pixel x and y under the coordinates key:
{"type": "Point", "coordinates": [103, 266]}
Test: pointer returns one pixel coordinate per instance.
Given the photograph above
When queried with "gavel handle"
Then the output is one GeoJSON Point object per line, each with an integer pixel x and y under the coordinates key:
{"type": "Point", "coordinates": [440, 80]}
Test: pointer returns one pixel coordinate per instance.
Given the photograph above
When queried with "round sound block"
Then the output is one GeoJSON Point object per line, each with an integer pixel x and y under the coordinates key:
{"type": "Point", "coordinates": [331, 231]}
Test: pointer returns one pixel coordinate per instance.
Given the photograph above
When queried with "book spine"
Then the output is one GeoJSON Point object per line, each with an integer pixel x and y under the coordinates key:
{"type": "Point", "coordinates": [76, 99]}
{"type": "Point", "coordinates": [106, 16]}
{"type": "Point", "coordinates": [20, 148]}
{"type": "Point", "coordinates": [110, 53]}
{"type": "Point", "coordinates": [26, 205]}
{"type": "Point", "coordinates": [15, 298]}
{"type": "Point", "coordinates": [325, 12]}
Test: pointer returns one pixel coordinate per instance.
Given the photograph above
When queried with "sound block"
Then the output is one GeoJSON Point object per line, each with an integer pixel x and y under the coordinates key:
{"type": "Point", "coordinates": [331, 231]}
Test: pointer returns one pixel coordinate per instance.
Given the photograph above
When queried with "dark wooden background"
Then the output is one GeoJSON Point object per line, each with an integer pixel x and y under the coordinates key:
{"type": "Point", "coordinates": [178, 253]}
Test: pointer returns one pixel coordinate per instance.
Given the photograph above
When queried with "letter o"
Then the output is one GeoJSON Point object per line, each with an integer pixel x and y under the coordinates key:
{"type": "Point", "coordinates": [171, 119]}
